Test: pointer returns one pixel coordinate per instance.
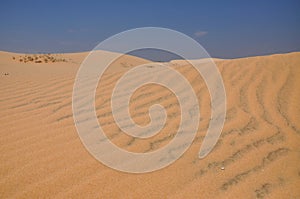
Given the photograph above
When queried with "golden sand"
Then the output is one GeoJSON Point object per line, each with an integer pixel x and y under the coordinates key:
{"type": "Point", "coordinates": [257, 155]}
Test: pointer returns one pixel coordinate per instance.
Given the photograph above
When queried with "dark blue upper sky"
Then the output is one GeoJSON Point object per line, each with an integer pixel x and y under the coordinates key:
{"type": "Point", "coordinates": [225, 29]}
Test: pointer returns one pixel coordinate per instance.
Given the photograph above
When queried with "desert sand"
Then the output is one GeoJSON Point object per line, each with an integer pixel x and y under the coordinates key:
{"type": "Point", "coordinates": [257, 155]}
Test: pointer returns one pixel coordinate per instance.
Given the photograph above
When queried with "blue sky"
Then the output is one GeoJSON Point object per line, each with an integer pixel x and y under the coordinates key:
{"type": "Point", "coordinates": [226, 29]}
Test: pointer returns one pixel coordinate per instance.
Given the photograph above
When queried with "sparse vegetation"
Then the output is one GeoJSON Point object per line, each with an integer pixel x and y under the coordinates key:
{"type": "Point", "coordinates": [40, 58]}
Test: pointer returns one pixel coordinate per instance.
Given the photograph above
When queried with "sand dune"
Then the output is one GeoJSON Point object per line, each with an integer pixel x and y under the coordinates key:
{"type": "Point", "coordinates": [42, 156]}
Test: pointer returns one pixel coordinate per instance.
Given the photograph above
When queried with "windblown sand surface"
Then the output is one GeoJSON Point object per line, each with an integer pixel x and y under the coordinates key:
{"type": "Point", "coordinates": [41, 155]}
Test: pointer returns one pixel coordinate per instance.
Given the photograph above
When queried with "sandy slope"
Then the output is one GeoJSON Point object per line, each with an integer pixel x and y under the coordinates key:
{"type": "Point", "coordinates": [41, 155]}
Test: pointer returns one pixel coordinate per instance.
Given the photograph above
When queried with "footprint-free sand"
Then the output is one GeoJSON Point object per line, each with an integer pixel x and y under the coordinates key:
{"type": "Point", "coordinates": [257, 155]}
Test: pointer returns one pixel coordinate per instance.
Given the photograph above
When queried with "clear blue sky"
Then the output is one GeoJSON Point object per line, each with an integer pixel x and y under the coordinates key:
{"type": "Point", "coordinates": [226, 29]}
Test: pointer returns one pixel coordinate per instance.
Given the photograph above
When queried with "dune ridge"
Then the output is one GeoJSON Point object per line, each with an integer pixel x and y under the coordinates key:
{"type": "Point", "coordinates": [257, 155]}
